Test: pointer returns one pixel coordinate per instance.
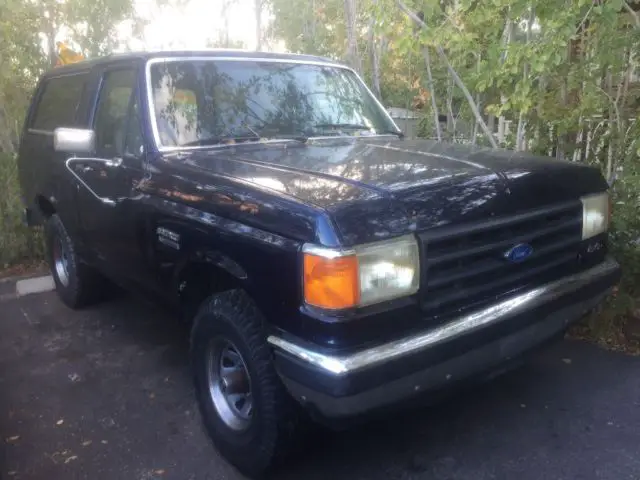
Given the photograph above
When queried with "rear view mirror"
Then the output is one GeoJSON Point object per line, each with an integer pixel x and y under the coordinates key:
{"type": "Point", "coordinates": [73, 140]}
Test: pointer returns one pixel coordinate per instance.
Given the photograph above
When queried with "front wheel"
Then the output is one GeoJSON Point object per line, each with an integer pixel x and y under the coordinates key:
{"type": "Point", "coordinates": [77, 284]}
{"type": "Point", "coordinates": [247, 413]}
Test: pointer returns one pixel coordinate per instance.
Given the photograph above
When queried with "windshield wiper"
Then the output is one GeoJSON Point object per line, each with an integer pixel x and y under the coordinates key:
{"type": "Point", "coordinates": [239, 139]}
{"type": "Point", "coordinates": [273, 133]}
{"type": "Point", "coordinates": [355, 126]}
{"type": "Point", "coordinates": [217, 140]}
{"type": "Point", "coordinates": [389, 131]}
{"type": "Point", "coordinates": [288, 136]}
{"type": "Point", "coordinates": [358, 126]}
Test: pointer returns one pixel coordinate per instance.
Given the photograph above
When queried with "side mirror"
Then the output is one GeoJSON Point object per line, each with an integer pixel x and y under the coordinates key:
{"type": "Point", "coordinates": [74, 140]}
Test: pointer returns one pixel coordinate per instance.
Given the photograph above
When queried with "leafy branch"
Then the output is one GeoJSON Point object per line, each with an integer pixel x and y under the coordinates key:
{"type": "Point", "coordinates": [456, 78]}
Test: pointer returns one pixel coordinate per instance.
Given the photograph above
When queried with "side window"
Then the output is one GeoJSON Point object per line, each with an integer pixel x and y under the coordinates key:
{"type": "Point", "coordinates": [134, 144]}
{"type": "Point", "coordinates": [59, 102]}
{"type": "Point", "coordinates": [110, 122]}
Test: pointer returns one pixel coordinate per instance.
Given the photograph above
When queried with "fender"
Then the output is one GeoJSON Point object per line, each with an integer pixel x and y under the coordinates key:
{"type": "Point", "coordinates": [209, 258]}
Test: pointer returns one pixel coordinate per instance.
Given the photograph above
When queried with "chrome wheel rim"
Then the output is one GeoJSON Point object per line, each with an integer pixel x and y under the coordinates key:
{"type": "Point", "coordinates": [61, 262]}
{"type": "Point", "coordinates": [229, 384]}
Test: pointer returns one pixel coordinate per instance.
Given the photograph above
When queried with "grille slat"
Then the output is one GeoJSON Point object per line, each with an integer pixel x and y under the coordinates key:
{"type": "Point", "coordinates": [495, 265]}
{"type": "Point", "coordinates": [465, 265]}
{"type": "Point", "coordinates": [497, 223]}
{"type": "Point", "coordinates": [500, 283]}
{"type": "Point", "coordinates": [506, 243]}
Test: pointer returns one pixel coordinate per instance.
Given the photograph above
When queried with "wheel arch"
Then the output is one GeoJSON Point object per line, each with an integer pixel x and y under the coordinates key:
{"type": "Point", "coordinates": [204, 273]}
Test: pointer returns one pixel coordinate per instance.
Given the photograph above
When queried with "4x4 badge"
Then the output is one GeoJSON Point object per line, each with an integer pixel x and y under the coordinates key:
{"type": "Point", "coordinates": [168, 237]}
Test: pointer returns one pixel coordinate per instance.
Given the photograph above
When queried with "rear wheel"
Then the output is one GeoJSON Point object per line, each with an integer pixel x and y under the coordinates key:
{"type": "Point", "coordinates": [246, 411]}
{"type": "Point", "coordinates": [77, 284]}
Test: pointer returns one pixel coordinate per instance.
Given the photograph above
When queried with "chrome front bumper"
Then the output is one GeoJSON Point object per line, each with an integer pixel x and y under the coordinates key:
{"type": "Point", "coordinates": [374, 356]}
{"type": "Point", "coordinates": [565, 300]}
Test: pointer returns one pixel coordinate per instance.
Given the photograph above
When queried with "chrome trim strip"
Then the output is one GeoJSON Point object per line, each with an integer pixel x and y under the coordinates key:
{"type": "Point", "coordinates": [373, 135]}
{"type": "Point", "coordinates": [340, 365]}
{"type": "Point", "coordinates": [212, 58]}
{"type": "Point", "coordinates": [209, 147]}
{"type": "Point", "coordinates": [337, 252]}
{"type": "Point", "coordinates": [326, 252]}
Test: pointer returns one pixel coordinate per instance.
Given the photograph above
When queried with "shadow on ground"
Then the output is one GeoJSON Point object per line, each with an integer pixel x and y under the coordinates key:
{"type": "Point", "coordinates": [106, 393]}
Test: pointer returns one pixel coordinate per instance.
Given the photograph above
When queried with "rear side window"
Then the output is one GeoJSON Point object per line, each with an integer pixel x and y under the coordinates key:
{"type": "Point", "coordinates": [59, 102]}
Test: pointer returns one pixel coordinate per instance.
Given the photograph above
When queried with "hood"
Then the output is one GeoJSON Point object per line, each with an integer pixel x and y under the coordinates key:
{"type": "Point", "coordinates": [377, 187]}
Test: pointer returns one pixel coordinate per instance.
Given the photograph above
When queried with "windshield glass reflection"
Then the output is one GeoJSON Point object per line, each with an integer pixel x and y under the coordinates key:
{"type": "Point", "coordinates": [208, 102]}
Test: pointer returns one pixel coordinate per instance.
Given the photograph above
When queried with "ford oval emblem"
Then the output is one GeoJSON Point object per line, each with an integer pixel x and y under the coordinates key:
{"type": "Point", "coordinates": [519, 253]}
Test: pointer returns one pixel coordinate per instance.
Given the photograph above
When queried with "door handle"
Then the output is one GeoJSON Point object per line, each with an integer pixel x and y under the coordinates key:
{"type": "Point", "coordinates": [114, 162]}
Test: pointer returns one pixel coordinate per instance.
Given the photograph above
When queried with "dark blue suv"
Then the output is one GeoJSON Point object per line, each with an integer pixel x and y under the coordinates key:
{"type": "Point", "coordinates": [329, 267]}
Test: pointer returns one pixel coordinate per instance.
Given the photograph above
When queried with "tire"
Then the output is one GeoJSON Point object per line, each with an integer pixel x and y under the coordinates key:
{"type": "Point", "coordinates": [77, 284]}
{"type": "Point", "coordinates": [255, 445]}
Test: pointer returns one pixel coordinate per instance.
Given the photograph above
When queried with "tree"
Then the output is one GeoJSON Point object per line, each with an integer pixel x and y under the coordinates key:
{"type": "Point", "coordinates": [21, 61]}
{"type": "Point", "coordinates": [90, 26]}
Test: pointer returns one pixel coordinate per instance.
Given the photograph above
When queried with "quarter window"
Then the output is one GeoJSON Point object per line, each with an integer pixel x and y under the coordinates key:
{"type": "Point", "coordinates": [59, 102]}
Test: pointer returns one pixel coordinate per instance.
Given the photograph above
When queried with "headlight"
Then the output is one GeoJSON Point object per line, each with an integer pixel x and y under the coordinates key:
{"type": "Point", "coordinates": [595, 214]}
{"type": "Point", "coordinates": [363, 275]}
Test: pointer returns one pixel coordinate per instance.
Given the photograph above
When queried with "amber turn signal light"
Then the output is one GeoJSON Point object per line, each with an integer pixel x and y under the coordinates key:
{"type": "Point", "coordinates": [331, 282]}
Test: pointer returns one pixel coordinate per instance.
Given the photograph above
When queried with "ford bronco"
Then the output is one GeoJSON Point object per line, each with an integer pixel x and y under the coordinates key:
{"type": "Point", "coordinates": [329, 267]}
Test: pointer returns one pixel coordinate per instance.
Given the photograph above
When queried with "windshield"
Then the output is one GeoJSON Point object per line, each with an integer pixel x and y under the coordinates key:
{"type": "Point", "coordinates": [203, 102]}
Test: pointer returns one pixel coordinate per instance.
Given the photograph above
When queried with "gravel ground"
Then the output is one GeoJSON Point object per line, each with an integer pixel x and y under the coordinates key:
{"type": "Point", "coordinates": [105, 393]}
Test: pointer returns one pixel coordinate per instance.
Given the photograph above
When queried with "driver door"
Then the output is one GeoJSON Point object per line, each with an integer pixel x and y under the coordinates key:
{"type": "Point", "coordinates": [108, 196]}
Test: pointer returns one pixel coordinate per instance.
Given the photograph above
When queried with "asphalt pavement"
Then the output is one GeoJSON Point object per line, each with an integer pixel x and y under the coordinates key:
{"type": "Point", "coordinates": [105, 393]}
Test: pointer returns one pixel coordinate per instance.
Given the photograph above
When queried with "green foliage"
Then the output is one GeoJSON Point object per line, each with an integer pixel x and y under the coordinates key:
{"type": "Point", "coordinates": [18, 243]}
{"type": "Point", "coordinates": [94, 23]}
{"type": "Point", "coordinates": [313, 26]}
{"type": "Point", "coordinates": [21, 61]}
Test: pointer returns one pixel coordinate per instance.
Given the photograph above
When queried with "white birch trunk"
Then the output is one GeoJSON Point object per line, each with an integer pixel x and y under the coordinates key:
{"type": "Point", "coordinates": [258, 13]}
{"type": "Point", "coordinates": [434, 104]}
{"type": "Point", "coordinates": [506, 40]}
{"type": "Point", "coordinates": [373, 53]}
{"type": "Point", "coordinates": [352, 40]}
{"type": "Point", "coordinates": [522, 124]}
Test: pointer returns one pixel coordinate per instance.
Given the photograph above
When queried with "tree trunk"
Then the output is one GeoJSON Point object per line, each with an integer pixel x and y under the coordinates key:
{"type": "Point", "coordinates": [506, 40]}
{"type": "Point", "coordinates": [451, 120]}
{"type": "Point", "coordinates": [258, 12]}
{"type": "Point", "coordinates": [474, 132]}
{"type": "Point", "coordinates": [48, 14]}
{"type": "Point", "coordinates": [352, 40]}
{"type": "Point", "coordinates": [618, 135]}
{"type": "Point", "coordinates": [6, 142]}
{"type": "Point", "coordinates": [434, 104]}
{"type": "Point", "coordinates": [224, 13]}
{"type": "Point", "coordinates": [522, 124]}
{"type": "Point", "coordinates": [313, 20]}
{"type": "Point", "coordinates": [51, 46]}
{"type": "Point", "coordinates": [375, 61]}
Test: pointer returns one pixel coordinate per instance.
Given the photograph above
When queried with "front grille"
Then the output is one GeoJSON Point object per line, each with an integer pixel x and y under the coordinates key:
{"type": "Point", "coordinates": [465, 265]}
